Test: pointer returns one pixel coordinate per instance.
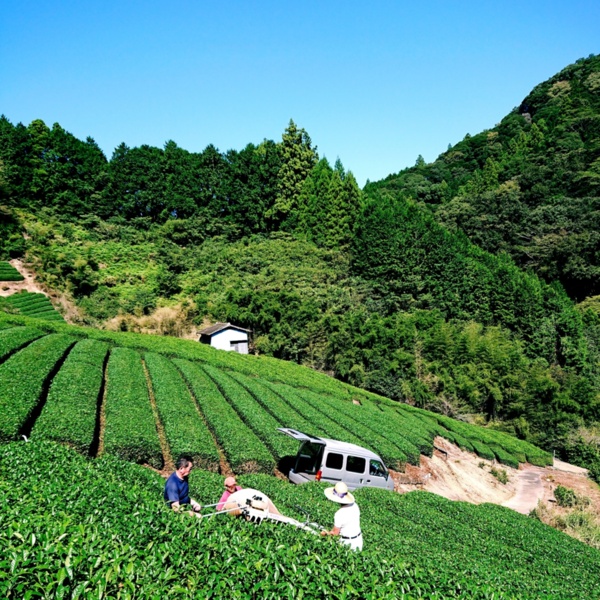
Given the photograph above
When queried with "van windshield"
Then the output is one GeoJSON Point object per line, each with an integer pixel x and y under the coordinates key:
{"type": "Point", "coordinates": [309, 458]}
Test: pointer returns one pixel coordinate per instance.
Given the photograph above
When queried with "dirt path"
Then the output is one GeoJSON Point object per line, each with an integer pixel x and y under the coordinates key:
{"type": "Point", "coordinates": [7, 288]}
{"type": "Point", "coordinates": [529, 489]}
{"type": "Point", "coordinates": [59, 300]}
{"type": "Point", "coordinates": [459, 475]}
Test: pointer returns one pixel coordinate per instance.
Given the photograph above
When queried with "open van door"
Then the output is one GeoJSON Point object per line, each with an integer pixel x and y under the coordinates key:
{"type": "Point", "coordinates": [298, 435]}
{"type": "Point", "coordinates": [309, 457]}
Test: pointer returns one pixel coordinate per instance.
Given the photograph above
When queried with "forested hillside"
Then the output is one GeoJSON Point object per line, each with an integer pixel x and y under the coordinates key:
{"type": "Point", "coordinates": [530, 186]}
{"type": "Point", "coordinates": [378, 287]}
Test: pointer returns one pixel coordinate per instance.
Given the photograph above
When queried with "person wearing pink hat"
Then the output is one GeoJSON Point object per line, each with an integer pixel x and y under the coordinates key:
{"type": "Point", "coordinates": [231, 486]}
{"type": "Point", "coordinates": [347, 519]}
{"type": "Point", "coordinates": [234, 496]}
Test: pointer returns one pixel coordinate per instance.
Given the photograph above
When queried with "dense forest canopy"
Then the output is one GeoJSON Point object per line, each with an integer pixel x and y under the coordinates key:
{"type": "Point", "coordinates": [450, 285]}
{"type": "Point", "coordinates": [529, 186]}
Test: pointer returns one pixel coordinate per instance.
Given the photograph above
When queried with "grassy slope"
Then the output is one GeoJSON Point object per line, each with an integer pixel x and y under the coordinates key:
{"type": "Point", "coordinates": [87, 534]}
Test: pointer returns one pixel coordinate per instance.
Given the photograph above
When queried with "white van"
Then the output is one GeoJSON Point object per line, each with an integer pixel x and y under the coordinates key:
{"type": "Point", "coordinates": [322, 459]}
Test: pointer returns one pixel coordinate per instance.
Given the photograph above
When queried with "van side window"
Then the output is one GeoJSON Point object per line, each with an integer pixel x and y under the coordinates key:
{"type": "Point", "coordinates": [334, 461]}
{"type": "Point", "coordinates": [355, 464]}
{"type": "Point", "coordinates": [376, 468]}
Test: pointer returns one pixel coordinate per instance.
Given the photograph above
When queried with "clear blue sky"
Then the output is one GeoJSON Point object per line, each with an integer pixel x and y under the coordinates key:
{"type": "Point", "coordinates": [374, 83]}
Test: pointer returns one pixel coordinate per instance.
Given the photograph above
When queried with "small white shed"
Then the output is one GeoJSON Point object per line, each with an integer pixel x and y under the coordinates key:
{"type": "Point", "coordinates": [226, 336]}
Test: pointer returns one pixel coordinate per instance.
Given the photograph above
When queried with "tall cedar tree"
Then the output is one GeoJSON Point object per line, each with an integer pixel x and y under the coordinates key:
{"type": "Point", "coordinates": [298, 159]}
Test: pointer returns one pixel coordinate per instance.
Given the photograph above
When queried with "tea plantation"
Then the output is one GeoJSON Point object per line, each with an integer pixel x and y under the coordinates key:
{"type": "Point", "coordinates": [73, 527]}
{"type": "Point", "coordinates": [34, 305]}
{"type": "Point", "coordinates": [81, 520]}
{"type": "Point", "coordinates": [9, 273]}
{"type": "Point", "coordinates": [113, 393]}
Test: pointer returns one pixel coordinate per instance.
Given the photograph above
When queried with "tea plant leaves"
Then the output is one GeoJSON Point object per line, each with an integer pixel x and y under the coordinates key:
{"type": "Point", "coordinates": [70, 413]}
{"type": "Point", "coordinates": [130, 431]}
{"type": "Point", "coordinates": [78, 528]}
{"type": "Point", "coordinates": [184, 426]}
{"type": "Point", "coordinates": [20, 393]}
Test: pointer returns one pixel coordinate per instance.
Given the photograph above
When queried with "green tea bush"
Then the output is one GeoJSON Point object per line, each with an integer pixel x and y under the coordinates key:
{"type": "Point", "coordinates": [276, 405]}
{"type": "Point", "coordinates": [185, 429]}
{"type": "Point", "coordinates": [331, 427]}
{"type": "Point", "coordinates": [409, 429]}
{"type": "Point", "coordinates": [370, 414]}
{"type": "Point", "coordinates": [370, 436]}
{"type": "Point", "coordinates": [509, 448]}
{"type": "Point", "coordinates": [504, 457]}
{"type": "Point", "coordinates": [263, 423]}
{"type": "Point", "coordinates": [22, 380]}
{"type": "Point", "coordinates": [244, 451]}
{"type": "Point", "coordinates": [70, 528]}
{"type": "Point", "coordinates": [71, 411]}
{"type": "Point", "coordinates": [34, 305]}
{"type": "Point", "coordinates": [9, 273]}
{"type": "Point", "coordinates": [24, 298]}
{"type": "Point", "coordinates": [130, 430]}
{"type": "Point", "coordinates": [482, 450]}
{"type": "Point", "coordinates": [14, 338]}
{"type": "Point", "coordinates": [412, 428]}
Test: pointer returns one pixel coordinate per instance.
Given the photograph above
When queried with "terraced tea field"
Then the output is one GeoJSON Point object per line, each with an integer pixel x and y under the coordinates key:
{"type": "Point", "coordinates": [146, 399]}
{"type": "Point", "coordinates": [77, 528]}
{"type": "Point", "coordinates": [82, 520]}
{"type": "Point", "coordinates": [35, 305]}
{"type": "Point", "coordinates": [9, 273]}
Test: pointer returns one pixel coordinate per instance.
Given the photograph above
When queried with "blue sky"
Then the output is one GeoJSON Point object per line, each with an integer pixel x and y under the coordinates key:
{"type": "Point", "coordinates": [374, 83]}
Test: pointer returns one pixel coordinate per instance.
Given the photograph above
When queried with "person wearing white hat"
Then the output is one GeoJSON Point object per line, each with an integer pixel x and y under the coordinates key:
{"type": "Point", "coordinates": [347, 519]}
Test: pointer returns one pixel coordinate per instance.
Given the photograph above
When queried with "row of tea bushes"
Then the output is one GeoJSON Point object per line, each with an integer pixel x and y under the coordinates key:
{"type": "Point", "coordinates": [77, 528]}
{"type": "Point", "coordinates": [400, 432]}
{"type": "Point", "coordinates": [369, 435]}
{"type": "Point", "coordinates": [328, 422]}
{"type": "Point", "coordinates": [130, 428]}
{"type": "Point", "coordinates": [511, 449]}
{"type": "Point", "coordinates": [15, 338]}
{"type": "Point", "coordinates": [412, 429]}
{"type": "Point", "coordinates": [244, 451]}
{"type": "Point", "coordinates": [70, 413]}
{"type": "Point", "coordinates": [263, 423]}
{"type": "Point", "coordinates": [22, 380]}
{"type": "Point", "coordinates": [369, 414]}
{"type": "Point", "coordinates": [184, 426]}
{"type": "Point", "coordinates": [275, 405]}
{"type": "Point", "coordinates": [34, 305]}
{"type": "Point", "coordinates": [9, 273]}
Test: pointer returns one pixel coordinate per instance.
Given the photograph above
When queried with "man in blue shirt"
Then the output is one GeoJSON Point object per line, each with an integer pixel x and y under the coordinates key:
{"type": "Point", "coordinates": [177, 489]}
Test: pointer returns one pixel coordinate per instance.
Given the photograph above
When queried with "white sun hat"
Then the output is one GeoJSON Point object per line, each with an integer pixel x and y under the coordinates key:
{"type": "Point", "coordinates": [339, 493]}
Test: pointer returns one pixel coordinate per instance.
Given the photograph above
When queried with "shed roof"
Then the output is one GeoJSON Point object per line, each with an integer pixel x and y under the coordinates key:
{"type": "Point", "coordinates": [218, 327]}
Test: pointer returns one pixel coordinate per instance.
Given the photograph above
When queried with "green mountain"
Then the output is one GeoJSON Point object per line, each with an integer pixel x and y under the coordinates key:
{"type": "Point", "coordinates": [372, 287]}
{"type": "Point", "coordinates": [530, 186]}
{"type": "Point", "coordinates": [444, 291]}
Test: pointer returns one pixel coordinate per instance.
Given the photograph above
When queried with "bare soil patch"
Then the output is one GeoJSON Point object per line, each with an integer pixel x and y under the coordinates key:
{"type": "Point", "coordinates": [30, 284]}
{"type": "Point", "coordinates": [7, 288]}
{"type": "Point", "coordinates": [459, 475]}
{"type": "Point", "coordinates": [456, 475]}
